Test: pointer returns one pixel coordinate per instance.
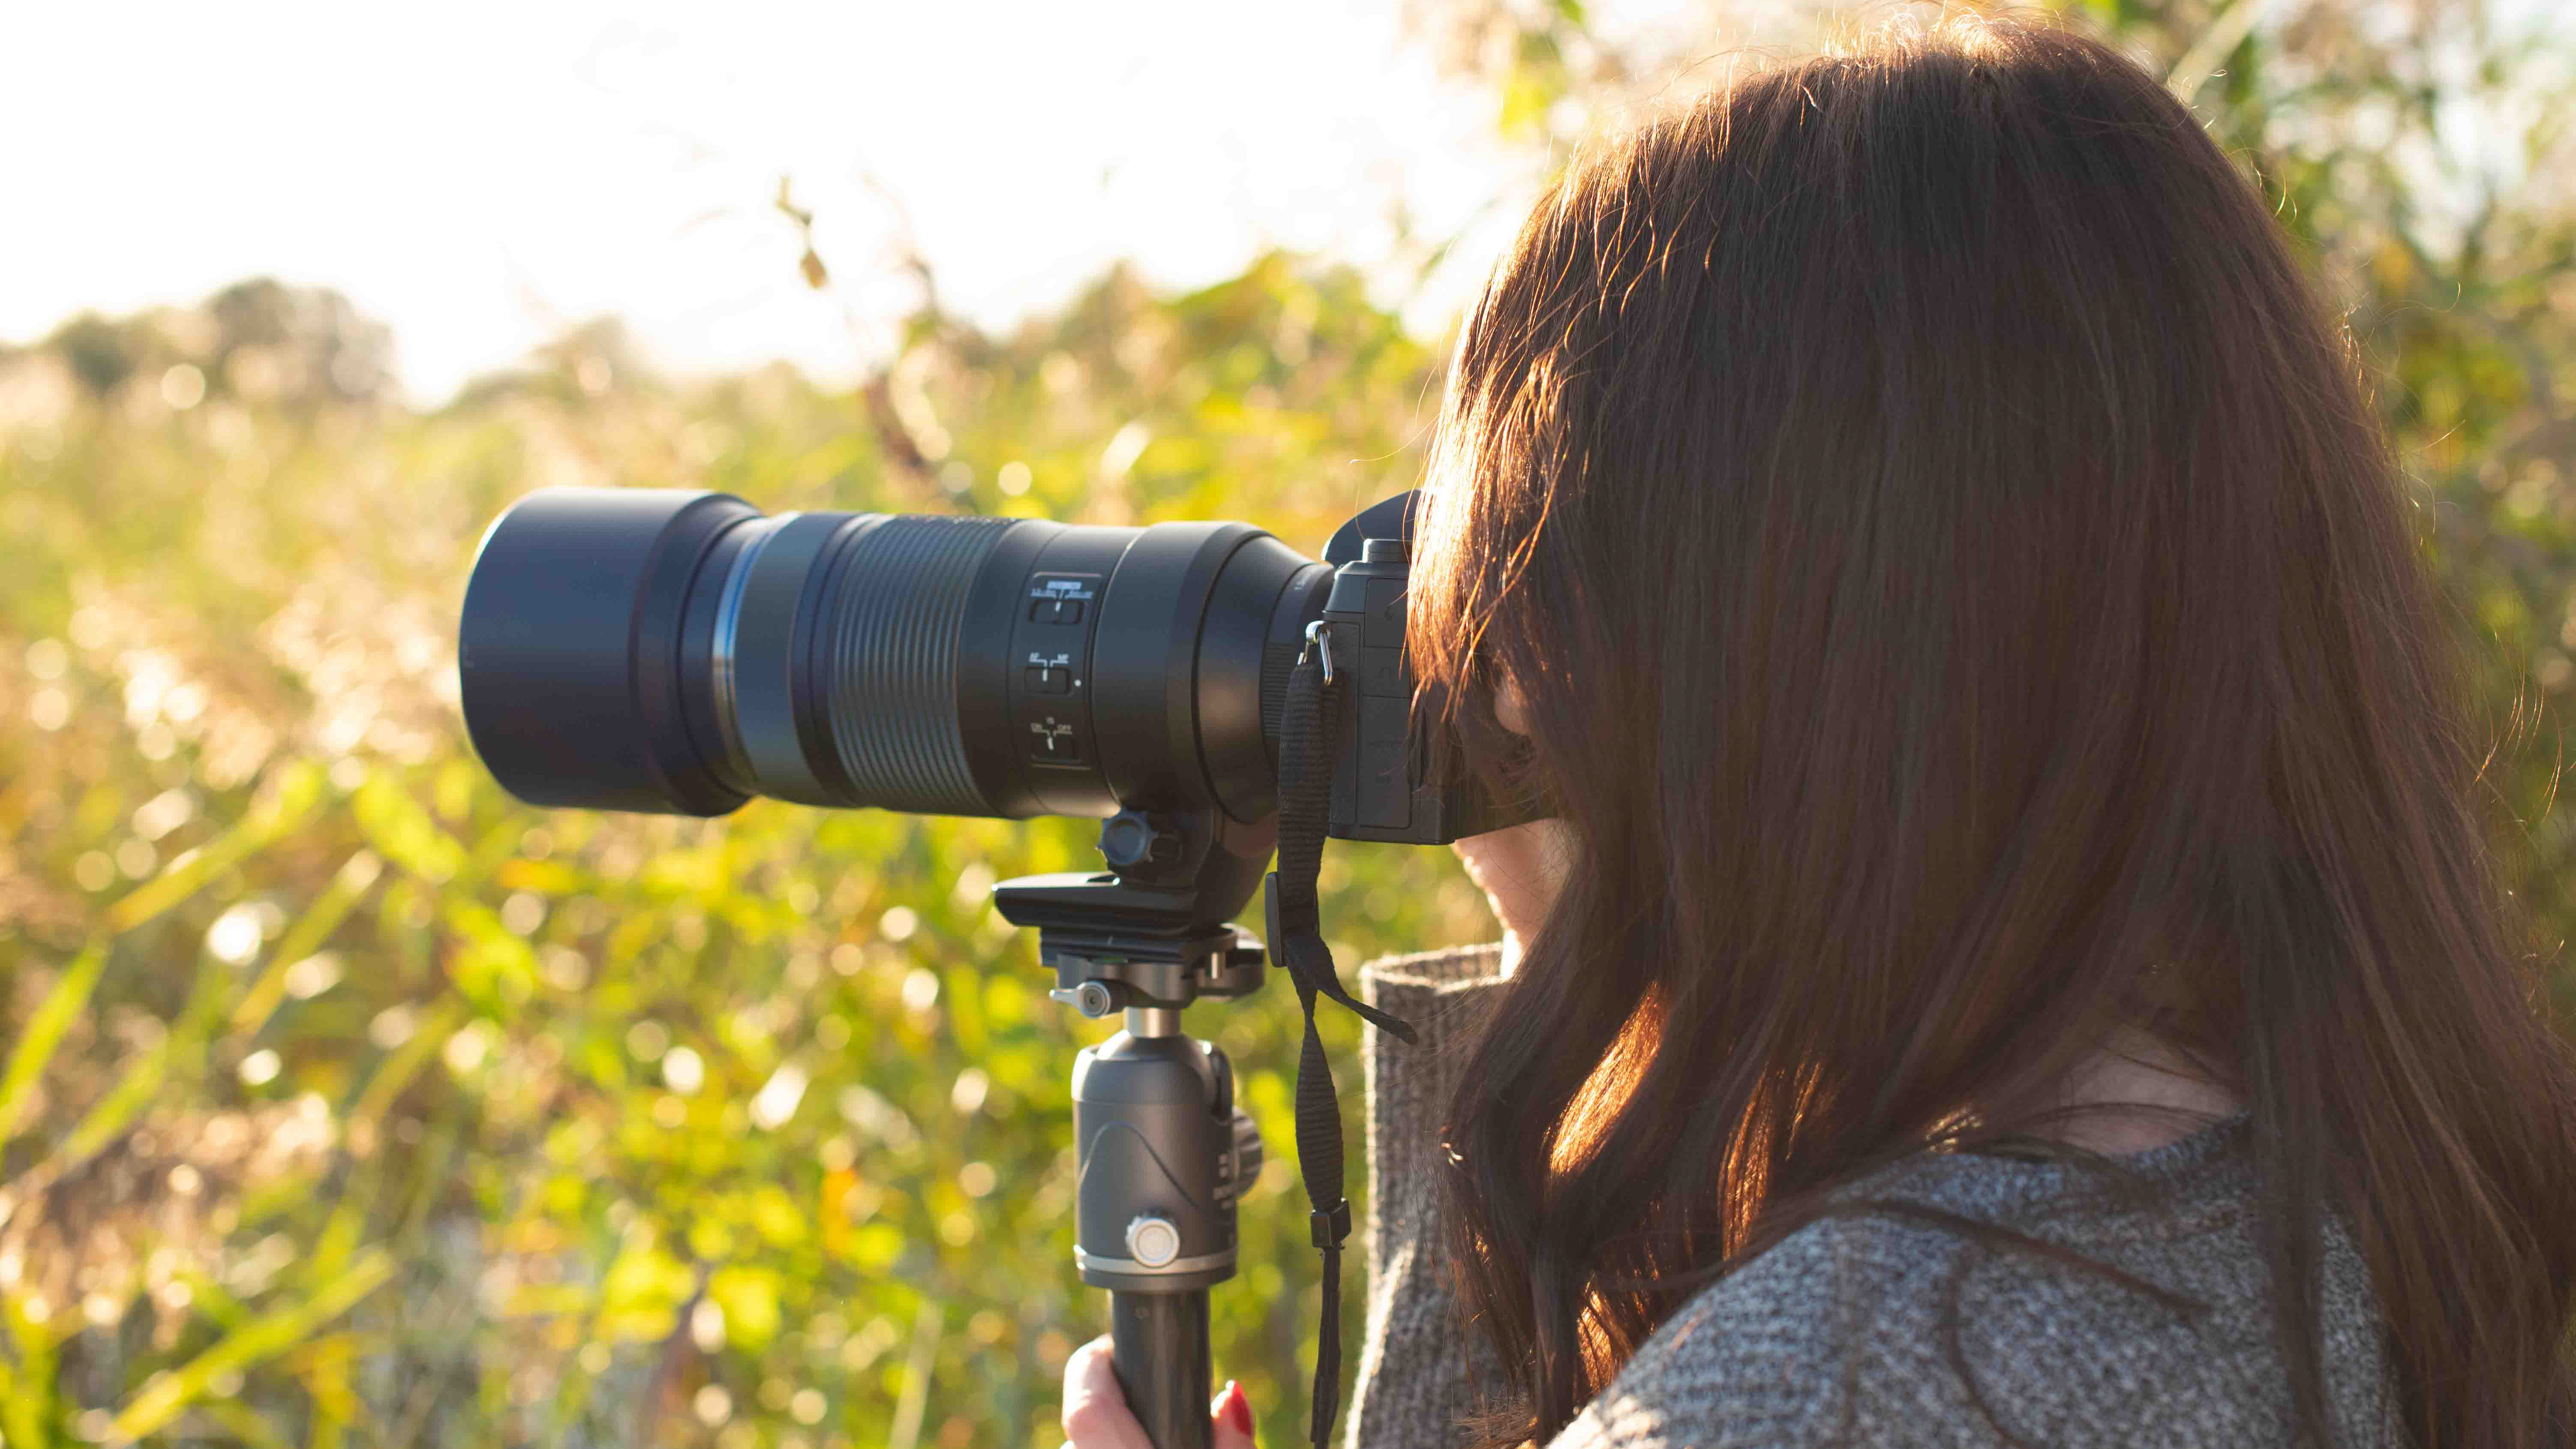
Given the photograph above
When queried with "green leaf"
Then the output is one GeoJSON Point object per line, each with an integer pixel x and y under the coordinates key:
{"type": "Point", "coordinates": [397, 825]}
{"type": "Point", "coordinates": [167, 1393]}
{"type": "Point", "coordinates": [348, 886]}
{"type": "Point", "coordinates": [53, 1016]}
{"type": "Point", "coordinates": [749, 1298]}
{"type": "Point", "coordinates": [297, 790]}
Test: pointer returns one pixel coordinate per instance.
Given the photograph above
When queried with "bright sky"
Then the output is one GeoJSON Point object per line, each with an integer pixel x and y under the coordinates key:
{"type": "Point", "coordinates": [481, 174]}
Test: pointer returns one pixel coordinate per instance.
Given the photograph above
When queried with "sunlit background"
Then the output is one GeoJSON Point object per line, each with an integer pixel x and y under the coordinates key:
{"type": "Point", "coordinates": [345, 1102]}
{"type": "Point", "coordinates": [484, 176]}
{"type": "Point", "coordinates": [480, 176]}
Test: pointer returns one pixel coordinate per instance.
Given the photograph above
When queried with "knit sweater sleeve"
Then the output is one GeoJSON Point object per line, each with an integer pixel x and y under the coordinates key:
{"type": "Point", "coordinates": [1903, 1335]}
{"type": "Point", "coordinates": [1420, 1368]}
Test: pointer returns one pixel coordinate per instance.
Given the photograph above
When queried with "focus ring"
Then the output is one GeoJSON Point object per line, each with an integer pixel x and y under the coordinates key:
{"type": "Point", "coordinates": [769, 659]}
{"type": "Point", "coordinates": [886, 654]}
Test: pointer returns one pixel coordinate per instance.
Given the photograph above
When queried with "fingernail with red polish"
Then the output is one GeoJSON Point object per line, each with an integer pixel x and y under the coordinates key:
{"type": "Point", "coordinates": [1238, 1409]}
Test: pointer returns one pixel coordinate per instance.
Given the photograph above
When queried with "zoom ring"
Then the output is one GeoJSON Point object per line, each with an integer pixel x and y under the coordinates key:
{"type": "Point", "coordinates": [887, 643]}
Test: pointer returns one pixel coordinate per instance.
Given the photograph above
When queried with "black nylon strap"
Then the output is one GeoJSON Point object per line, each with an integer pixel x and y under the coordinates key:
{"type": "Point", "coordinates": [1306, 759]}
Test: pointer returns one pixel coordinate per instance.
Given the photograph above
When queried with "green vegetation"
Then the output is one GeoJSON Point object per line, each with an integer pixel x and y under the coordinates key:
{"type": "Point", "coordinates": [344, 1101]}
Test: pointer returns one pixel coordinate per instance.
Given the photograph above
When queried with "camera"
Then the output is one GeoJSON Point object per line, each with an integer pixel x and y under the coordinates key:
{"type": "Point", "coordinates": [1188, 683]}
{"type": "Point", "coordinates": [679, 651]}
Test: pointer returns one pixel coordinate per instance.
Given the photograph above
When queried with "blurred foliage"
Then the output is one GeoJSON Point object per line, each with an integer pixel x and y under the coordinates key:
{"type": "Point", "coordinates": [347, 1102]}
{"type": "Point", "coordinates": [650, 1130]}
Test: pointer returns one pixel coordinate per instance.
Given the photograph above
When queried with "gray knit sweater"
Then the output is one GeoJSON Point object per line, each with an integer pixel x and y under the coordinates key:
{"type": "Point", "coordinates": [1833, 1336]}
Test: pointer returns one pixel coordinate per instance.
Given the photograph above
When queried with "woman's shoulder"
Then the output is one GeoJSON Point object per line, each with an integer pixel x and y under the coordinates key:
{"type": "Point", "coordinates": [1900, 1321]}
{"type": "Point", "coordinates": [1442, 966]}
{"type": "Point", "coordinates": [1441, 993]}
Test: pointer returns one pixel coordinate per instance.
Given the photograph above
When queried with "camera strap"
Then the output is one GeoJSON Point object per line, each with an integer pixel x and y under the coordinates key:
{"type": "Point", "coordinates": [1307, 750]}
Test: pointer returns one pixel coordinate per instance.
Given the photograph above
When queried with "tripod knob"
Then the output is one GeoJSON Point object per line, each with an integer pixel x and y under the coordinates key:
{"type": "Point", "coordinates": [1090, 998]}
{"type": "Point", "coordinates": [1235, 1174]}
{"type": "Point", "coordinates": [1133, 839]}
{"type": "Point", "coordinates": [1152, 1241]}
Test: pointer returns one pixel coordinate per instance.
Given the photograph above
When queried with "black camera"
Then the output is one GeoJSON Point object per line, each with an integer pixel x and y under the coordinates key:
{"type": "Point", "coordinates": [679, 651]}
{"type": "Point", "coordinates": [1190, 683]}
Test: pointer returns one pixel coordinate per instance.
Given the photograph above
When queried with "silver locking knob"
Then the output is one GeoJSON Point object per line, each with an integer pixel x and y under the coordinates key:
{"type": "Point", "coordinates": [1152, 1241]}
{"type": "Point", "coordinates": [1090, 998]}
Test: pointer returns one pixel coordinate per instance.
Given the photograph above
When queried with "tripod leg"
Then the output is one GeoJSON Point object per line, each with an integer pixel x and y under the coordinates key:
{"type": "Point", "coordinates": [1158, 1342]}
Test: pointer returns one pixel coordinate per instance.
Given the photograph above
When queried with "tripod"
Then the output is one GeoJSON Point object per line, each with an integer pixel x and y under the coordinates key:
{"type": "Point", "coordinates": [1163, 1151]}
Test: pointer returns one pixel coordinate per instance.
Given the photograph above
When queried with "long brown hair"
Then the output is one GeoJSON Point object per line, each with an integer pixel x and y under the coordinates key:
{"type": "Point", "coordinates": [1964, 602]}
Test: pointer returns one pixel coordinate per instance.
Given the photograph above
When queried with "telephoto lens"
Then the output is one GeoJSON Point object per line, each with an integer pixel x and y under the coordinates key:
{"type": "Point", "coordinates": [679, 651]}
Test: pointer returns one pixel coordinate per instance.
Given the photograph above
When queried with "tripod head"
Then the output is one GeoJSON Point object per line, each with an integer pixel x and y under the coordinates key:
{"type": "Point", "coordinates": [1154, 932]}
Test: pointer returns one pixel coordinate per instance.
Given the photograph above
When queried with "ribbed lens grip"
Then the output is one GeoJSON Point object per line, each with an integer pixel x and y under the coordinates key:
{"type": "Point", "coordinates": [886, 652]}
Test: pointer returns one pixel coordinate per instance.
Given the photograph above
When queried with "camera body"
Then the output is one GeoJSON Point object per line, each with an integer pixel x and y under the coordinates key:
{"type": "Point", "coordinates": [1389, 783]}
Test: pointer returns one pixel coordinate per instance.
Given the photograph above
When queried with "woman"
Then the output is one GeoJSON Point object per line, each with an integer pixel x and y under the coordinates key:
{"type": "Point", "coordinates": [2018, 959]}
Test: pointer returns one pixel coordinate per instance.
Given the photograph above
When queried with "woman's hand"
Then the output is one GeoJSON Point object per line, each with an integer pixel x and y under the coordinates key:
{"type": "Point", "coordinates": [1096, 1415]}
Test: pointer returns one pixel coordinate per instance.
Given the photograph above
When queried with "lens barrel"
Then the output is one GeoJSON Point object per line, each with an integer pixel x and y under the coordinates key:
{"type": "Point", "coordinates": [677, 651]}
